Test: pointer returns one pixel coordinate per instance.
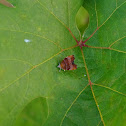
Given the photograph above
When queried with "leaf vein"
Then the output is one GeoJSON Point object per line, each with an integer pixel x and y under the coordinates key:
{"type": "Point", "coordinates": [110, 89]}
{"type": "Point", "coordinates": [72, 104]}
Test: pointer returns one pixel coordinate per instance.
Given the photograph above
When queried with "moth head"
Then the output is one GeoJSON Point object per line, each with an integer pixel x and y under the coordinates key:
{"type": "Point", "coordinates": [59, 66]}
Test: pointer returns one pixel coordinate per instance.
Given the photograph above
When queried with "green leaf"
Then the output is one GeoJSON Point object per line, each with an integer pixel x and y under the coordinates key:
{"type": "Point", "coordinates": [82, 20]}
{"type": "Point", "coordinates": [35, 37]}
{"type": "Point", "coordinates": [34, 114]}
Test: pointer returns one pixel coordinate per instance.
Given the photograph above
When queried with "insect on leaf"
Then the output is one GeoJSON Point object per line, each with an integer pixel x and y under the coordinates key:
{"type": "Point", "coordinates": [38, 35]}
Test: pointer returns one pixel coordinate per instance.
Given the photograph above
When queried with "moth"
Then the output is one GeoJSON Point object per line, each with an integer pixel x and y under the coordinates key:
{"type": "Point", "coordinates": [68, 63]}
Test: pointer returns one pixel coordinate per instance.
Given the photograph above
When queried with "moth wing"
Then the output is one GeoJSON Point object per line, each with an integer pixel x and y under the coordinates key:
{"type": "Point", "coordinates": [71, 57]}
{"type": "Point", "coordinates": [73, 67]}
{"type": "Point", "coordinates": [65, 64]}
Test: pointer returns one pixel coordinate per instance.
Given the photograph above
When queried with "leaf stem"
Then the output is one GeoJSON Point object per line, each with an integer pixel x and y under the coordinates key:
{"type": "Point", "coordinates": [86, 67]}
{"type": "Point", "coordinates": [72, 35]}
{"type": "Point", "coordinates": [91, 35]}
{"type": "Point", "coordinates": [97, 106]}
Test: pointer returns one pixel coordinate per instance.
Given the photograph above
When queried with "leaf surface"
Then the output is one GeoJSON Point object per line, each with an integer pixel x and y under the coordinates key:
{"type": "Point", "coordinates": [35, 37]}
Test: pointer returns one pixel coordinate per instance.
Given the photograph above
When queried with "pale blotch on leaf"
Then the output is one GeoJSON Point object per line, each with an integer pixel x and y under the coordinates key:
{"type": "Point", "coordinates": [27, 40]}
{"type": "Point", "coordinates": [82, 20]}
